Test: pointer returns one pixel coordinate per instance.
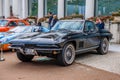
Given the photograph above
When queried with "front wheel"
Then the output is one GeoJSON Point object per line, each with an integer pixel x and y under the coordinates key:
{"type": "Point", "coordinates": [67, 56]}
{"type": "Point", "coordinates": [103, 47]}
{"type": "Point", "coordinates": [24, 58]}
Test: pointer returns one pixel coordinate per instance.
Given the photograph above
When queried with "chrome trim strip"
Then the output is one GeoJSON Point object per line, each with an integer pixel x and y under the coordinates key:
{"type": "Point", "coordinates": [14, 47]}
{"type": "Point", "coordinates": [87, 49]}
{"type": "Point", "coordinates": [39, 48]}
{"type": "Point", "coordinates": [48, 49]}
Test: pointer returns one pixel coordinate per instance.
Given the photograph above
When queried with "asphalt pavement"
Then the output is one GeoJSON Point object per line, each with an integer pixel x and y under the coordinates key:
{"type": "Point", "coordinates": [89, 66]}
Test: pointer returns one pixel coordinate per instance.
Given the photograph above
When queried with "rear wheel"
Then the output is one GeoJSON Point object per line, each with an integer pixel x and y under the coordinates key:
{"type": "Point", "coordinates": [24, 58]}
{"type": "Point", "coordinates": [103, 47]}
{"type": "Point", "coordinates": [67, 56]}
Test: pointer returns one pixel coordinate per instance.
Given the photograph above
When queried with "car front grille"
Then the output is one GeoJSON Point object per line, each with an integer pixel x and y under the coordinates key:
{"type": "Point", "coordinates": [29, 45]}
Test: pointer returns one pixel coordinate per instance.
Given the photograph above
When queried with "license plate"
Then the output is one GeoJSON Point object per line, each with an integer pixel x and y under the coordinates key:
{"type": "Point", "coordinates": [30, 51]}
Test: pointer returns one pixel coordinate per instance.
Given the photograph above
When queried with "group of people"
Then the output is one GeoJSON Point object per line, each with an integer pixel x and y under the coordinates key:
{"type": "Point", "coordinates": [51, 21]}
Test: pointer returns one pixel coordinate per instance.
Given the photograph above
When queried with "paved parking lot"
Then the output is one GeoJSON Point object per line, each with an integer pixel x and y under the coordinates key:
{"type": "Point", "coordinates": [109, 62]}
{"type": "Point", "coordinates": [89, 66]}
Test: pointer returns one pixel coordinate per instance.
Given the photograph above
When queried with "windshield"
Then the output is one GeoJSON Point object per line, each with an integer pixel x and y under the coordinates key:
{"type": "Point", "coordinates": [21, 29]}
{"type": "Point", "coordinates": [69, 25]}
{"type": "Point", "coordinates": [3, 22]}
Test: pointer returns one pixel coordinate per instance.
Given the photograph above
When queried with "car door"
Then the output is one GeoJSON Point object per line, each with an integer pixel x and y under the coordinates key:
{"type": "Point", "coordinates": [92, 35]}
{"type": "Point", "coordinates": [80, 38]}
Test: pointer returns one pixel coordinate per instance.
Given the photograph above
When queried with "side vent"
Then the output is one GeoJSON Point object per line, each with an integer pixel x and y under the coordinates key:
{"type": "Point", "coordinates": [80, 44]}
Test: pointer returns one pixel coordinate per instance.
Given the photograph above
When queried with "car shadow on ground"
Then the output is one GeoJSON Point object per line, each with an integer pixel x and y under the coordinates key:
{"type": "Point", "coordinates": [45, 62]}
{"type": "Point", "coordinates": [83, 55]}
{"type": "Point", "coordinates": [39, 63]}
{"type": "Point", "coordinates": [36, 65]}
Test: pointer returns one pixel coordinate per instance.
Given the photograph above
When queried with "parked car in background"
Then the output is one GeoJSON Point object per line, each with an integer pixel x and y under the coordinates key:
{"type": "Point", "coordinates": [18, 32]}
{"type": "Point", "coordinates": [7, 24]}
{"type": "Point", "coordinates": [66, 39]}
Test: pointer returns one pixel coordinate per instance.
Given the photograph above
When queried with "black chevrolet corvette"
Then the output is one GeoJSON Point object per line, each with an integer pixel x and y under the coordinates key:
{"type": "Point", "coordinates": [66, 39]}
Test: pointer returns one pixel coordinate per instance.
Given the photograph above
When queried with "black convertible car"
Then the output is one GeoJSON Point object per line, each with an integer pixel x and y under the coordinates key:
{"type": "Point", "coordinates": [66, 39]}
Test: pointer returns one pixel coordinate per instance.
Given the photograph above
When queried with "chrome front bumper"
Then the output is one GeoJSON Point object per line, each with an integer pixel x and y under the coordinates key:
{"type": "Point", "coordinates": [36, 50]}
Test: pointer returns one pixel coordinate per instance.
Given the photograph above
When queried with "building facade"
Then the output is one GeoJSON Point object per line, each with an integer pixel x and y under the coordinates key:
{"type": "Point", "coordinates": [40, 8]}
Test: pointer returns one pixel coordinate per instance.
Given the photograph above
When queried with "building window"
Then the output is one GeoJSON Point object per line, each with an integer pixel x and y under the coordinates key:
{"type": "Point", "coordinates": [75, 7]}
{"type": "Point", "coordinates": [33, 7]}
{"type": "Point", "coordinates": [106, 7]}
{"type": "Point", "coordinates": [51, 6]}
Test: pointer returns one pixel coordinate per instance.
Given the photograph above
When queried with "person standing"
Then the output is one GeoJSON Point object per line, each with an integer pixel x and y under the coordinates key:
{"type": "Point", "coordinates": [50, 17]}
{"type": "Point", "coordinates": [53, 22]}
{"type": "Point", "coordinates": [100, 23]}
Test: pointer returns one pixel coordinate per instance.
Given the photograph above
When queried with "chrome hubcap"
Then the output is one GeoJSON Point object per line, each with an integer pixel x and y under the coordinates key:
{"type": "Point", "coordinates": [69, 54]}
{"type": "Point", "coordinates": [105, 46]}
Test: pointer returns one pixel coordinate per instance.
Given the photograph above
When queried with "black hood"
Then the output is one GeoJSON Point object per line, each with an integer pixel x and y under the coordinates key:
{"type": "Point", "coordinates": [28, 35]}
{"type": "Point", "coordinates": [55, 34]}
{"type": "Point", "coordinates": [44, 38]}
{"type": "Point", "coordinates": [48, 35]}
{"type": "Point", "coordinates": [52, 35]}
